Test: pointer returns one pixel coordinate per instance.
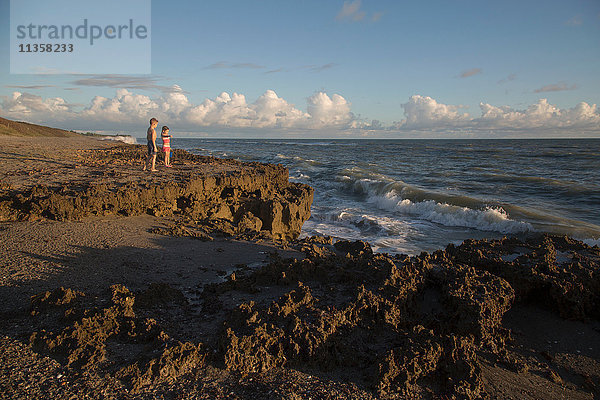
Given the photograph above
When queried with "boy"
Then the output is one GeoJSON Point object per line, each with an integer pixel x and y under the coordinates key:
{"type": "Point", "coordinates": [151, 136]}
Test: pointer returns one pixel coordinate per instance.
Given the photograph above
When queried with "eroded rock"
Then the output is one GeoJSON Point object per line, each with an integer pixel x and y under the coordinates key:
{"type": "Point", "coordinates": [398, 326]}
{"type": "Point", "coordinates": [235, 196]}
{"type": "Point", "coordinates": [556, 272]}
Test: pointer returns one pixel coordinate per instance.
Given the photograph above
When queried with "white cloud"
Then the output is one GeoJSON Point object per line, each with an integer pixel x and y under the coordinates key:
{"type": "Point", "coordinates": [328, 111]}
{"type": "Point", "coordinates": [539, 115]}
{"type": "Point", "coordinates": [174, 102]}
{"type": "Point", "coordinates": [366, 126]}
{"type": "Point", "coordinates": [273, 111]}
{"type": "Point", "coordinates": [424, 112]}
{"type": "Point", "coordinates": [269, 112]}
{"type": "Point", "coordinates": [124, 108]}
{"type": "Point", "coordinates": [224, 110]}
{"type": "Point", "coordinates": [351, 12]}
{"type": "Point", "coordinates": [127, 109]}
{"type": "Point", "coordinates": [27, 104]}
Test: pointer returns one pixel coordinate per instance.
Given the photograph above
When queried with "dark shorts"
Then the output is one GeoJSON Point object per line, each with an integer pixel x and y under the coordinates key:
{"type": "Point", "coordinates": [151, 151]}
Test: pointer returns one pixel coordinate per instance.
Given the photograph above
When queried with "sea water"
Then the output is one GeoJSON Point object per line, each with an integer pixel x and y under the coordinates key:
{"type": "Point", "coordinates": [408, 196]}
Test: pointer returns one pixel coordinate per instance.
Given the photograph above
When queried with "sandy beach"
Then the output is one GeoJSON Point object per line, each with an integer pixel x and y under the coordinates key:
{"type": "Point", "coordinates": [208, 292]}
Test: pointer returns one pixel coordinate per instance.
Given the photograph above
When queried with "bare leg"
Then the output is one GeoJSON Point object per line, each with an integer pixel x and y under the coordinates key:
{"type": "Point", "coordinates": [167, 159]}
{"type": "Point", "coordinates": [154, 163]}
{"type": "Point", "coordinates": [146, 163]}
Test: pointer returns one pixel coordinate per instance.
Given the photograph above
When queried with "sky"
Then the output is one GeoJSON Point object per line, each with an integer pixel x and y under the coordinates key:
{"type": "Point", "coordinates": [367, 69]}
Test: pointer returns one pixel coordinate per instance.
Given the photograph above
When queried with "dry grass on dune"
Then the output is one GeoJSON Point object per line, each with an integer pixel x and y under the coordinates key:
{"type": "Point", "coordinates": [16, 128]}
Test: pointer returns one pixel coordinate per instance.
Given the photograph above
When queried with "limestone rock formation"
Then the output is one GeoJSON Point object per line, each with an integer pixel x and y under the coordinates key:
{"type": "Point", "coordinates": [228, 195]}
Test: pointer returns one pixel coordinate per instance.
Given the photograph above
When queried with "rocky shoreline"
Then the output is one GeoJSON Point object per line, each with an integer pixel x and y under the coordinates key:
{"type": "Point", "coordinates": [223, 195]}
{"type": "Point", "coordinates": [124, 301]}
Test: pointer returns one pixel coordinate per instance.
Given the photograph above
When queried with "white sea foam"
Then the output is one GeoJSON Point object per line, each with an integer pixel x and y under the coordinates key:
{"type": "Point", "coordinates": [400, 197]}
{"type": "Point", "coordinates": [592, 242]}
{"type": "Point", "coordinates": [300, 176]}
{"type": "Point", "coordinates": [120, 138]}
{"type": "Point", "coordinates": [383, 233]}
{"type": "Point", "coordinates": [300, 160]}
{"type": "Point", "coordinates": [377, 225]}
{"type": "Point", "coordinates": [487, 219]}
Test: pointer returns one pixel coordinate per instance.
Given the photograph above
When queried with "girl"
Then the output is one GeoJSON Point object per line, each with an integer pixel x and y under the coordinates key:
{"type": "Point", "coordinates": [166, 139]}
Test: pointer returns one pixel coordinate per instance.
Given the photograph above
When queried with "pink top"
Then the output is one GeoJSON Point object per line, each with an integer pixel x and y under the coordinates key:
{"type": "Point", "coordinates": [166, 141]}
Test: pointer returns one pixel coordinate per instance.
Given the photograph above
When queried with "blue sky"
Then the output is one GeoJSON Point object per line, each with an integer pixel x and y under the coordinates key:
{"type": "Point", "coordinates": [416, 67]}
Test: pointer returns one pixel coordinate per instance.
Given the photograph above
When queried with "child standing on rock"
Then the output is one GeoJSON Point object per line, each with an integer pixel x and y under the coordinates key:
{"type": "Point", "coordinates": [166, 138]}
{"type": "Point", "coordinates": [151, 137]}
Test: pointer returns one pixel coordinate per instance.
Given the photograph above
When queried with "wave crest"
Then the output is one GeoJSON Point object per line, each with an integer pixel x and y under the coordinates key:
{"type": "Point", "coordinates": [121, 138]}
{"type": "Point", "coordinates": [462, 212]}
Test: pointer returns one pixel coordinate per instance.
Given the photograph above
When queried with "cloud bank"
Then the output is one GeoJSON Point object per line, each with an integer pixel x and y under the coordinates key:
{"type": "Point", "coordinates": [127, 109]}
{"type": "Point", "coordinates": [324, 113]}
{"type": "Point", "coordinates": [425, 113]}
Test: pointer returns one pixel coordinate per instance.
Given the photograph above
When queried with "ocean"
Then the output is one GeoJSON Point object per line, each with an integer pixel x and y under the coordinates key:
{"type": "Point", "coordinates": [408, 196]}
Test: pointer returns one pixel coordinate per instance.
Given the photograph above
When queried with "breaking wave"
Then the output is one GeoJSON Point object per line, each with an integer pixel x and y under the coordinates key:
{"type": "Point", "coordinates": [412, 196]}
{"type": "Point", "coordinates": [121, 138]}
{"type": "Point", "coordinates": [448, 210]}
